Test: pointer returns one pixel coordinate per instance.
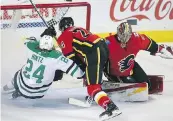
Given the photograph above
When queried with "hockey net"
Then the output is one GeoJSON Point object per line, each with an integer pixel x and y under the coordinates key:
{"type": "Point", "coordinates": [21, 21]}
{"type": "Point", "coordinates": [25, 16]}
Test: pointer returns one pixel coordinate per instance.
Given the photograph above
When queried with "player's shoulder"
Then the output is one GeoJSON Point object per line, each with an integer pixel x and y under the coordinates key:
{"type": "Point", "coordinates": [111, 37]}
{"type": "Point", "coordinates": [32, 44]}
{"type": "Point", "coordinates": [34, 47]}
{"type": "Point", "coordinates": [135, 34]}
{"type": "Point", "coordinates": [138, 36]}
{"type": "Point", "coordinates": [66, 33]}
{"type": "Point", "coordinates": [55, 54]}
{"type": "Point", "coordinates": [76, 29]}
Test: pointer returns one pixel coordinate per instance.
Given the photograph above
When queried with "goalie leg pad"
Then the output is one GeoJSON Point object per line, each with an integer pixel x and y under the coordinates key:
{"type": "Point", "coordinates": [156, 83]}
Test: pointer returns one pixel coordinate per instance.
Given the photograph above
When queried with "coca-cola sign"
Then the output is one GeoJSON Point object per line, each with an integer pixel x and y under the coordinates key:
{"type": "Point", "coordinates": [138, 9]}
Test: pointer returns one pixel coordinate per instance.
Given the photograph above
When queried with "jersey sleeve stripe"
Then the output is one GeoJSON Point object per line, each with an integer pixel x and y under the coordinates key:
{"type": "Point", "coordinates": [82, 43]}
{"type": "Point", "coordinates": [70, 55]}
{"type": "Point", "coordinates": [71, 66]}
{"type": "Point", "coordinates": [97, 40]}
{"type": "Point", "coordinates": [28, 91]}
{"type": "Point", "coordinates": [153, 46]}
{"type": "Point", "coordinates": [73, 72]}
{"type": "Point", "coordinates": [149, 44]}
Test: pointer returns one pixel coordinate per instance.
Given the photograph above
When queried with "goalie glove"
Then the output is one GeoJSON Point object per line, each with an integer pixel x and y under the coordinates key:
{"type": "Point", "coordinates": [49, 31]}
{"type": "Point", "coordinates": [165, 51]}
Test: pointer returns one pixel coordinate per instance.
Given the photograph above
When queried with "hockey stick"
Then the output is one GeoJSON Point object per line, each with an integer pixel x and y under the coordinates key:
{"type": "Point", "coordinates": [53, 21]}
{"type": "Point", "coordinates": [86, 104]}
{"type": "Point", "coordinates": [77, 102]}
{"type": "Point", "coordinates": [39, 13]}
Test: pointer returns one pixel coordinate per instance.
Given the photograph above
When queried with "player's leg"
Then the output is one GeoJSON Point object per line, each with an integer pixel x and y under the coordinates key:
{"type": "Point", "coordinates": [11, 87]}
{"type": "Point", "coordinates": [94, 72]}
{"type": "Point", "coordinates": [139, 75]}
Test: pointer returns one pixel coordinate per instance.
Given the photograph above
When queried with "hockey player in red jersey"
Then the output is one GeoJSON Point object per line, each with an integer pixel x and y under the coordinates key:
{"type": "Point", "coordinates": [82, 46]}
{"type": "Point", "coordinates": [123, 48]}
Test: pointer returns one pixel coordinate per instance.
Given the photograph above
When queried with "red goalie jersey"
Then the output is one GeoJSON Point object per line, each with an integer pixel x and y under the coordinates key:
{"type": "Point", "coordinates": [121, 59]}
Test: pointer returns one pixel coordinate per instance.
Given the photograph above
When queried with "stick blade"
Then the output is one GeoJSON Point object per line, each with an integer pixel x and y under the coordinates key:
{"type": "Point", "coordinates": [77, 102]}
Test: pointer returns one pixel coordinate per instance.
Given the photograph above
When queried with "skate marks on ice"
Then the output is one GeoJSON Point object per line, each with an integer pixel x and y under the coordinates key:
{"type": "Point", "coordinates": [121, 117]}
{"type": "Point", "coordinates": [54, 105]}
{"type": "Point", "coordinates": [54, 98]}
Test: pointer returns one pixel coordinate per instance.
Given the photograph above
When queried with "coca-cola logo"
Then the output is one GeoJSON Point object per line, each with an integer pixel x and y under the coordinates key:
{"type": "Point", "coordinates": [139, 9]}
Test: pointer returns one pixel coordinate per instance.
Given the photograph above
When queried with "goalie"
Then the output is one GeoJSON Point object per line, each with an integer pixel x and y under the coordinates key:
{"type": "Point", "coordinates": [36, 76]}
{"type": "Point", "coordinates": [123, 48]}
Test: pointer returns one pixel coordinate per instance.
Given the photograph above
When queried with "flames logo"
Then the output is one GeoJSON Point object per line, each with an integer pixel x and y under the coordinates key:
{"type": "Point", "coordinates": [125, 63]}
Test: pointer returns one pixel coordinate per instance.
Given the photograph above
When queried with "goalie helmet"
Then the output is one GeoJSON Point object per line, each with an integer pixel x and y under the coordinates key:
{"type": "Point", "coordinates": [124, 32]}
{"type": "Point", "coordinates": [46, 43]}
{"type": "Point", "coordinates": [65, 22]}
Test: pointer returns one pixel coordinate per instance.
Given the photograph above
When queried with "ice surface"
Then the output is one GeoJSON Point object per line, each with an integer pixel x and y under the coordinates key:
{"type": "Point", "coordinates": [54, 106]}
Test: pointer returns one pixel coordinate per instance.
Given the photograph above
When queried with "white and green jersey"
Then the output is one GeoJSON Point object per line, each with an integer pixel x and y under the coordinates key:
{"type": "Point", "coordinates": [34, 79]}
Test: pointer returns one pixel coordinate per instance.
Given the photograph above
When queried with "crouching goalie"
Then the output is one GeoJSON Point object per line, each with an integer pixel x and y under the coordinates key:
{"type": "Point", "coordinates": [35, 77]}
{"type": "Point", "coordinates": [123, 48]}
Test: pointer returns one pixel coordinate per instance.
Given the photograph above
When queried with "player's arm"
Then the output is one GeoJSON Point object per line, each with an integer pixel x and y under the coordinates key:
{"type": "Point", "coordinates": [30, 40]}
{"type": "Point", "coordinates": [79, 62]}
{"type": "Point", "coordinates": [150, 45]}
{"type": "Point", "coordinates": [70, 67]}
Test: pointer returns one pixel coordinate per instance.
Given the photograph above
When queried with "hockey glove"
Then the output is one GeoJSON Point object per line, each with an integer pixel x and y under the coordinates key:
{"type": "Point", "coordinates": [165, 51]}
{"type": "Point", "coordinates": [49, 31]}
{"type": "Point", "coordinates": [30, 39]}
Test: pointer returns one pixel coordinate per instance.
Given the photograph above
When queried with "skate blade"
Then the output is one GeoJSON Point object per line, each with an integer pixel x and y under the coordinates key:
{"type": "Point", "coordinates": [7, 92]}
{"type": "Point", "coordinates": [110, 117]}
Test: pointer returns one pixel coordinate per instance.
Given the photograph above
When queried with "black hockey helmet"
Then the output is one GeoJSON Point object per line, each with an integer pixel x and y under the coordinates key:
{"type": "Point", "coordinates": [65, 22]}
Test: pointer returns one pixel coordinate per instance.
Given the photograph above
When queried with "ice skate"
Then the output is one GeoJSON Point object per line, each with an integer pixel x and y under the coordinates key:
{"type": "Point", "coordinates": [110, 112]}
{"type": "Point", "coordinates": [15, 94]}
{"type": "Point", "coordinates": [8, 88]}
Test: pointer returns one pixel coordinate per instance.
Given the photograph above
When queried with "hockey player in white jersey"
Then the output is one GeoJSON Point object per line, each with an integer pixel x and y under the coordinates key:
{"type": "Point", "coordinates": [36, 76]}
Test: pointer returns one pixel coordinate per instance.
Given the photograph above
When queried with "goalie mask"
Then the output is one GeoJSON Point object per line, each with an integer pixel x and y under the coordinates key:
{"type": "Point", "coordinates": [124, 32]}
{"type": "Point", "coordinates": [65, 22]}
{"type": "Point", "coordinates": [46, 43]}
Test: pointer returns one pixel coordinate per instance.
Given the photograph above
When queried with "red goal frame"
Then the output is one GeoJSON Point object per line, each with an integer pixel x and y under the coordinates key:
{"type": "Point", "coordinates": [54, 5]}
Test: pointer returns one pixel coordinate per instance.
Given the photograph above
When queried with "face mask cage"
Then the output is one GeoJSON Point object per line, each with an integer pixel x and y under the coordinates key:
{"type": "Point", "coordinates": [124, 32]}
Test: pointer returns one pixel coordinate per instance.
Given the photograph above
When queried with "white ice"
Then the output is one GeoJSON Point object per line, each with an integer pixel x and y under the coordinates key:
{"type": "Point", "coordinates": [54, 106]}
